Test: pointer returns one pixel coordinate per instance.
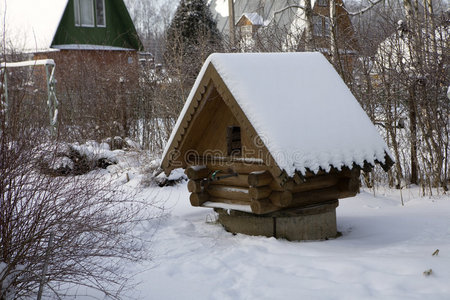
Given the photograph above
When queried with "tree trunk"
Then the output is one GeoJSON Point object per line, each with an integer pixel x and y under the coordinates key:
{"type": "Point", "coordinates": [309, 26]}
{"type": "Point", "coordinates": [413, 132]}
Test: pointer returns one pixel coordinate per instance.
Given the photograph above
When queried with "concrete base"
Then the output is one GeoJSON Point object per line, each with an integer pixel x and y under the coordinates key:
{"type": "Point", "coordinates": [316, 222]}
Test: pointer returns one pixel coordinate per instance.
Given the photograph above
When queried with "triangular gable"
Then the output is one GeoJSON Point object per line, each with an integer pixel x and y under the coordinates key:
{"type": "Point", "coordinates": [250, 19]}
{"type": "Point", "coordinates": [118, 34]}
{"type": "Point", "coordinates": [296, 103]}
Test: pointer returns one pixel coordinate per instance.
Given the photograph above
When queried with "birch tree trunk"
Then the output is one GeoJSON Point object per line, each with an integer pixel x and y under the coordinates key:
{"type": "Point", "coordinates": [309, 26]}
{"type": "Point", "coordinates": [414, 56]}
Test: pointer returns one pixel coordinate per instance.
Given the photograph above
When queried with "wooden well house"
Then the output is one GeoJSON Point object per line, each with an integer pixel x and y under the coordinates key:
{"type": "Point", "coordinates": [267, 135]}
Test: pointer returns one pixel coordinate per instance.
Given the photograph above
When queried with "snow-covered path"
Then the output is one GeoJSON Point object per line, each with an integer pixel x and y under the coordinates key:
{"type": "Point", "coordinates": [382, 254]}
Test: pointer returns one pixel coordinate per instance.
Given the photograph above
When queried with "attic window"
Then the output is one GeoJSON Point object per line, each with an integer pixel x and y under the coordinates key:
{"type": "Point", "coordinates": [234, 145]}
{"type": "Point", "coordinates": [322, 2]}
{"type": "Point", "coordinates": [84, 13]}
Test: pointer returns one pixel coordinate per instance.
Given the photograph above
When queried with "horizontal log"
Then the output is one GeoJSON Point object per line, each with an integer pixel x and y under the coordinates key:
{"type": "Point", "coordinates": [313, 183]}
{"type": "Point", "coordinates": [259, 192]}
{"type": "Point", "coordinates": [263, 206]}
{"type": "Point", "coordinates": [197, 172]}
{"type": "Point", "coordinates": [230, 201]}
{"type": "Point", "coordinates": [237, 165]}
{"type": "Point", "coordinates": [228, 192]}
{"type": "Point", "coordinates": [350, 184]}
{"type": "Point", "coordinates": [259, 178]}
{"type": "Point", "coordinates": [196, 186]}
{"type": "Point", "coordinates": [197, 199]}
{"type": "Point", "coordinates": [318, 196]}
{"type": "Point", "coordinates": [240, 180]}
{"type": "Point", "coordinates": [281, 199]}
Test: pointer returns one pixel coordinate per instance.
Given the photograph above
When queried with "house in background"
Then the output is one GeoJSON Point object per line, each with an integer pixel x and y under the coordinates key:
{"type": "Point", "coordinates": [282, 24]}
{"type": "Point", "coordinates": [94, 44]}
{"type": "Point", "coordinates": [63, 29]}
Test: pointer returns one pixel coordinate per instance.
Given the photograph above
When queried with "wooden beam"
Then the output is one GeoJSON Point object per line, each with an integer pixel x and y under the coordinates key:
{"type": "Point", "coordinates": [225, 164]}
{"type": "Point", "coordinates": [313, 183]}
{"type": "Point", "coordinates": [197, 199]}
{"type": "Point", "coordinates": [228, 192]}
{"type": "Point", "coordinates": [318, 196]}
{"type": "Point", "coordinates": [240, 180]}
{"type": "Point", "coordinates": [259, 192]}
{"type": "Point", "coordinates": [259, 178]}
{"type": "Point", "coordinates": [228, 201]}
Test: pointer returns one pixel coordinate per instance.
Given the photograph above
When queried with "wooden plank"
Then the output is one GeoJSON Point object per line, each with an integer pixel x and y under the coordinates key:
{"type": "Point", "coordinates": [197, 172]}
{"type": "Point", "coordinates": [263, 206]}
{"type": "Point", "coordinates": [228, 192]}
{"type": "Point", "coordinates": [197, 199]}
{"type": "Point", "coordinates": [259, 192]}
{"type": "Point", "coordinates": [259, 178]}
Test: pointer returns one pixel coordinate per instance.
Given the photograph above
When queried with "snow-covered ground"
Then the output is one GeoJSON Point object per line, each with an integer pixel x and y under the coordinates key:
{"type": "Point", "coordinates": [382, 254]}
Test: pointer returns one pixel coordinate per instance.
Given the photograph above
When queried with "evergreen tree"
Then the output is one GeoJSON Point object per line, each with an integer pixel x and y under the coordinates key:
{"type": "Point", "coordinates": [190, 38]}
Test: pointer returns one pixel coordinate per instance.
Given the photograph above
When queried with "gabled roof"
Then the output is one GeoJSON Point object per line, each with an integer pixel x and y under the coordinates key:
{"type": "Point", "coordinates": [297, 104]}
{"type": "Point", "coordinates": [254, 18]}
{"type": "Point", "coordinates": [33, 25]}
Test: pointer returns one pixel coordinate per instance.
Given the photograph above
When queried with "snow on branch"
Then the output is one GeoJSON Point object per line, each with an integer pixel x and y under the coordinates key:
{"type": "Point", "coordinates": [288, 7]}
{"type": "Point", "coordinates": [364, 10]}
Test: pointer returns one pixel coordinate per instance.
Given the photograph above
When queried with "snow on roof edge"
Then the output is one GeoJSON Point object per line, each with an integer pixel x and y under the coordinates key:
{"type": "Point", "coordinates": [90, 47]}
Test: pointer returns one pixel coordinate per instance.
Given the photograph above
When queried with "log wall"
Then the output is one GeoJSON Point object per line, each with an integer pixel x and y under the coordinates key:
{"type": "Point", "coordinates": [241, 184]}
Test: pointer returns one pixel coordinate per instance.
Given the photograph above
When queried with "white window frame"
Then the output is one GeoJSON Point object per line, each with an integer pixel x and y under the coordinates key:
{"type": "Point", "coordinates": [104, 13]}
{"type": "Point", "coordinates": [78, 17]}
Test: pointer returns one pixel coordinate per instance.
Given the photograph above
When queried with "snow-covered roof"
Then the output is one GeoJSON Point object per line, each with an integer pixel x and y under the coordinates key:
{"type": "Point", "coordinates": [254, 18]}
{"type": "Point", "coordinates": [30, 25]}
{"type": "Point", "coordinates": [300, 107]}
